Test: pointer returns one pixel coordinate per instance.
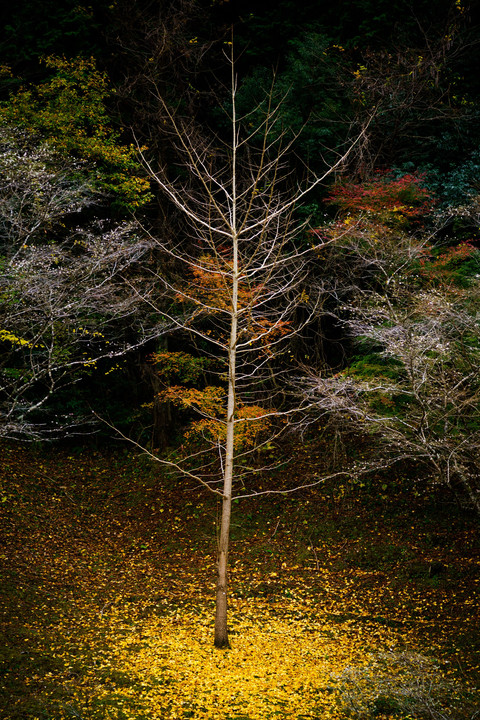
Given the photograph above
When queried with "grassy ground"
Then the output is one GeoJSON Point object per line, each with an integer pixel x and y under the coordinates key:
{"type": "Point", "coordinates": [347, 601]}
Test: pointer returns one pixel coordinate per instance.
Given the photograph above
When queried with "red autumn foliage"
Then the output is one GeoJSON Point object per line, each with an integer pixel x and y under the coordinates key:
{"type": "Point", "coordinates": [443, 267]}
{"type": "Point", "coordinates": [385, 197]}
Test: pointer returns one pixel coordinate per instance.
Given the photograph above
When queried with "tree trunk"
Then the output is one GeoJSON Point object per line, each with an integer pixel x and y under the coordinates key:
{"type": "Point", "coordinates": [221, 629]}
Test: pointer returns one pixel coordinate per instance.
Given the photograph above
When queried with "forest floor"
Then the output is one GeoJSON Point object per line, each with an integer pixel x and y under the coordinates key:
{"type": "Point", "coordinates": [347, 601]}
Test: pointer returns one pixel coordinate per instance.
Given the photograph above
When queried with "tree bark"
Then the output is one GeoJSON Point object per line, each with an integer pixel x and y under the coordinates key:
{"type": "Point", "coordinates": [221, 628]}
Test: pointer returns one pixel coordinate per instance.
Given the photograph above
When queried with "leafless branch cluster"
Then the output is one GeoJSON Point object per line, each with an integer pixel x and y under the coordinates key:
{"type": "Point", "coordinates": [415, 385]}
{"type": "Point", "coordinates": [61, 285]}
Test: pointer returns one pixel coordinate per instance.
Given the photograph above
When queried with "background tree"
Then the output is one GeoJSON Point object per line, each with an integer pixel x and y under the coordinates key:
{"type": "Point", "coordinates": [412, 84]}
{"type": "Point", "coordinates": [69, 112]}
{"type": "Point", "coordinates": [412, 382]}
{"type": "Point", "coordinates": [64, 303]}
{"type": "Point", "coordinates": [65, 28]}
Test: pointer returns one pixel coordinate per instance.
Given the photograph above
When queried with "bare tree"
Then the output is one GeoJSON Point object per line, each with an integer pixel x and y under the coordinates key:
{"type": "Point", "coordinates": [243, 291]}
{"type": "Point", "coordinates": [414, 385]}
{"type": "Point", "coordinates": [64, 304]}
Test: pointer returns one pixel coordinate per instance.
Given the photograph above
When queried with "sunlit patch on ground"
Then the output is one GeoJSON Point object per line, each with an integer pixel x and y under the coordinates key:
{"type": "Point", "coordinates": [108, 582]}
{"type": "Point", "coordinates": [279, 665]}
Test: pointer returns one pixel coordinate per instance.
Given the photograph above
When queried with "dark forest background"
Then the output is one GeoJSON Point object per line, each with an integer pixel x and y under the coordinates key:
{"type": "Point", "coordinates": [85, 86]}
